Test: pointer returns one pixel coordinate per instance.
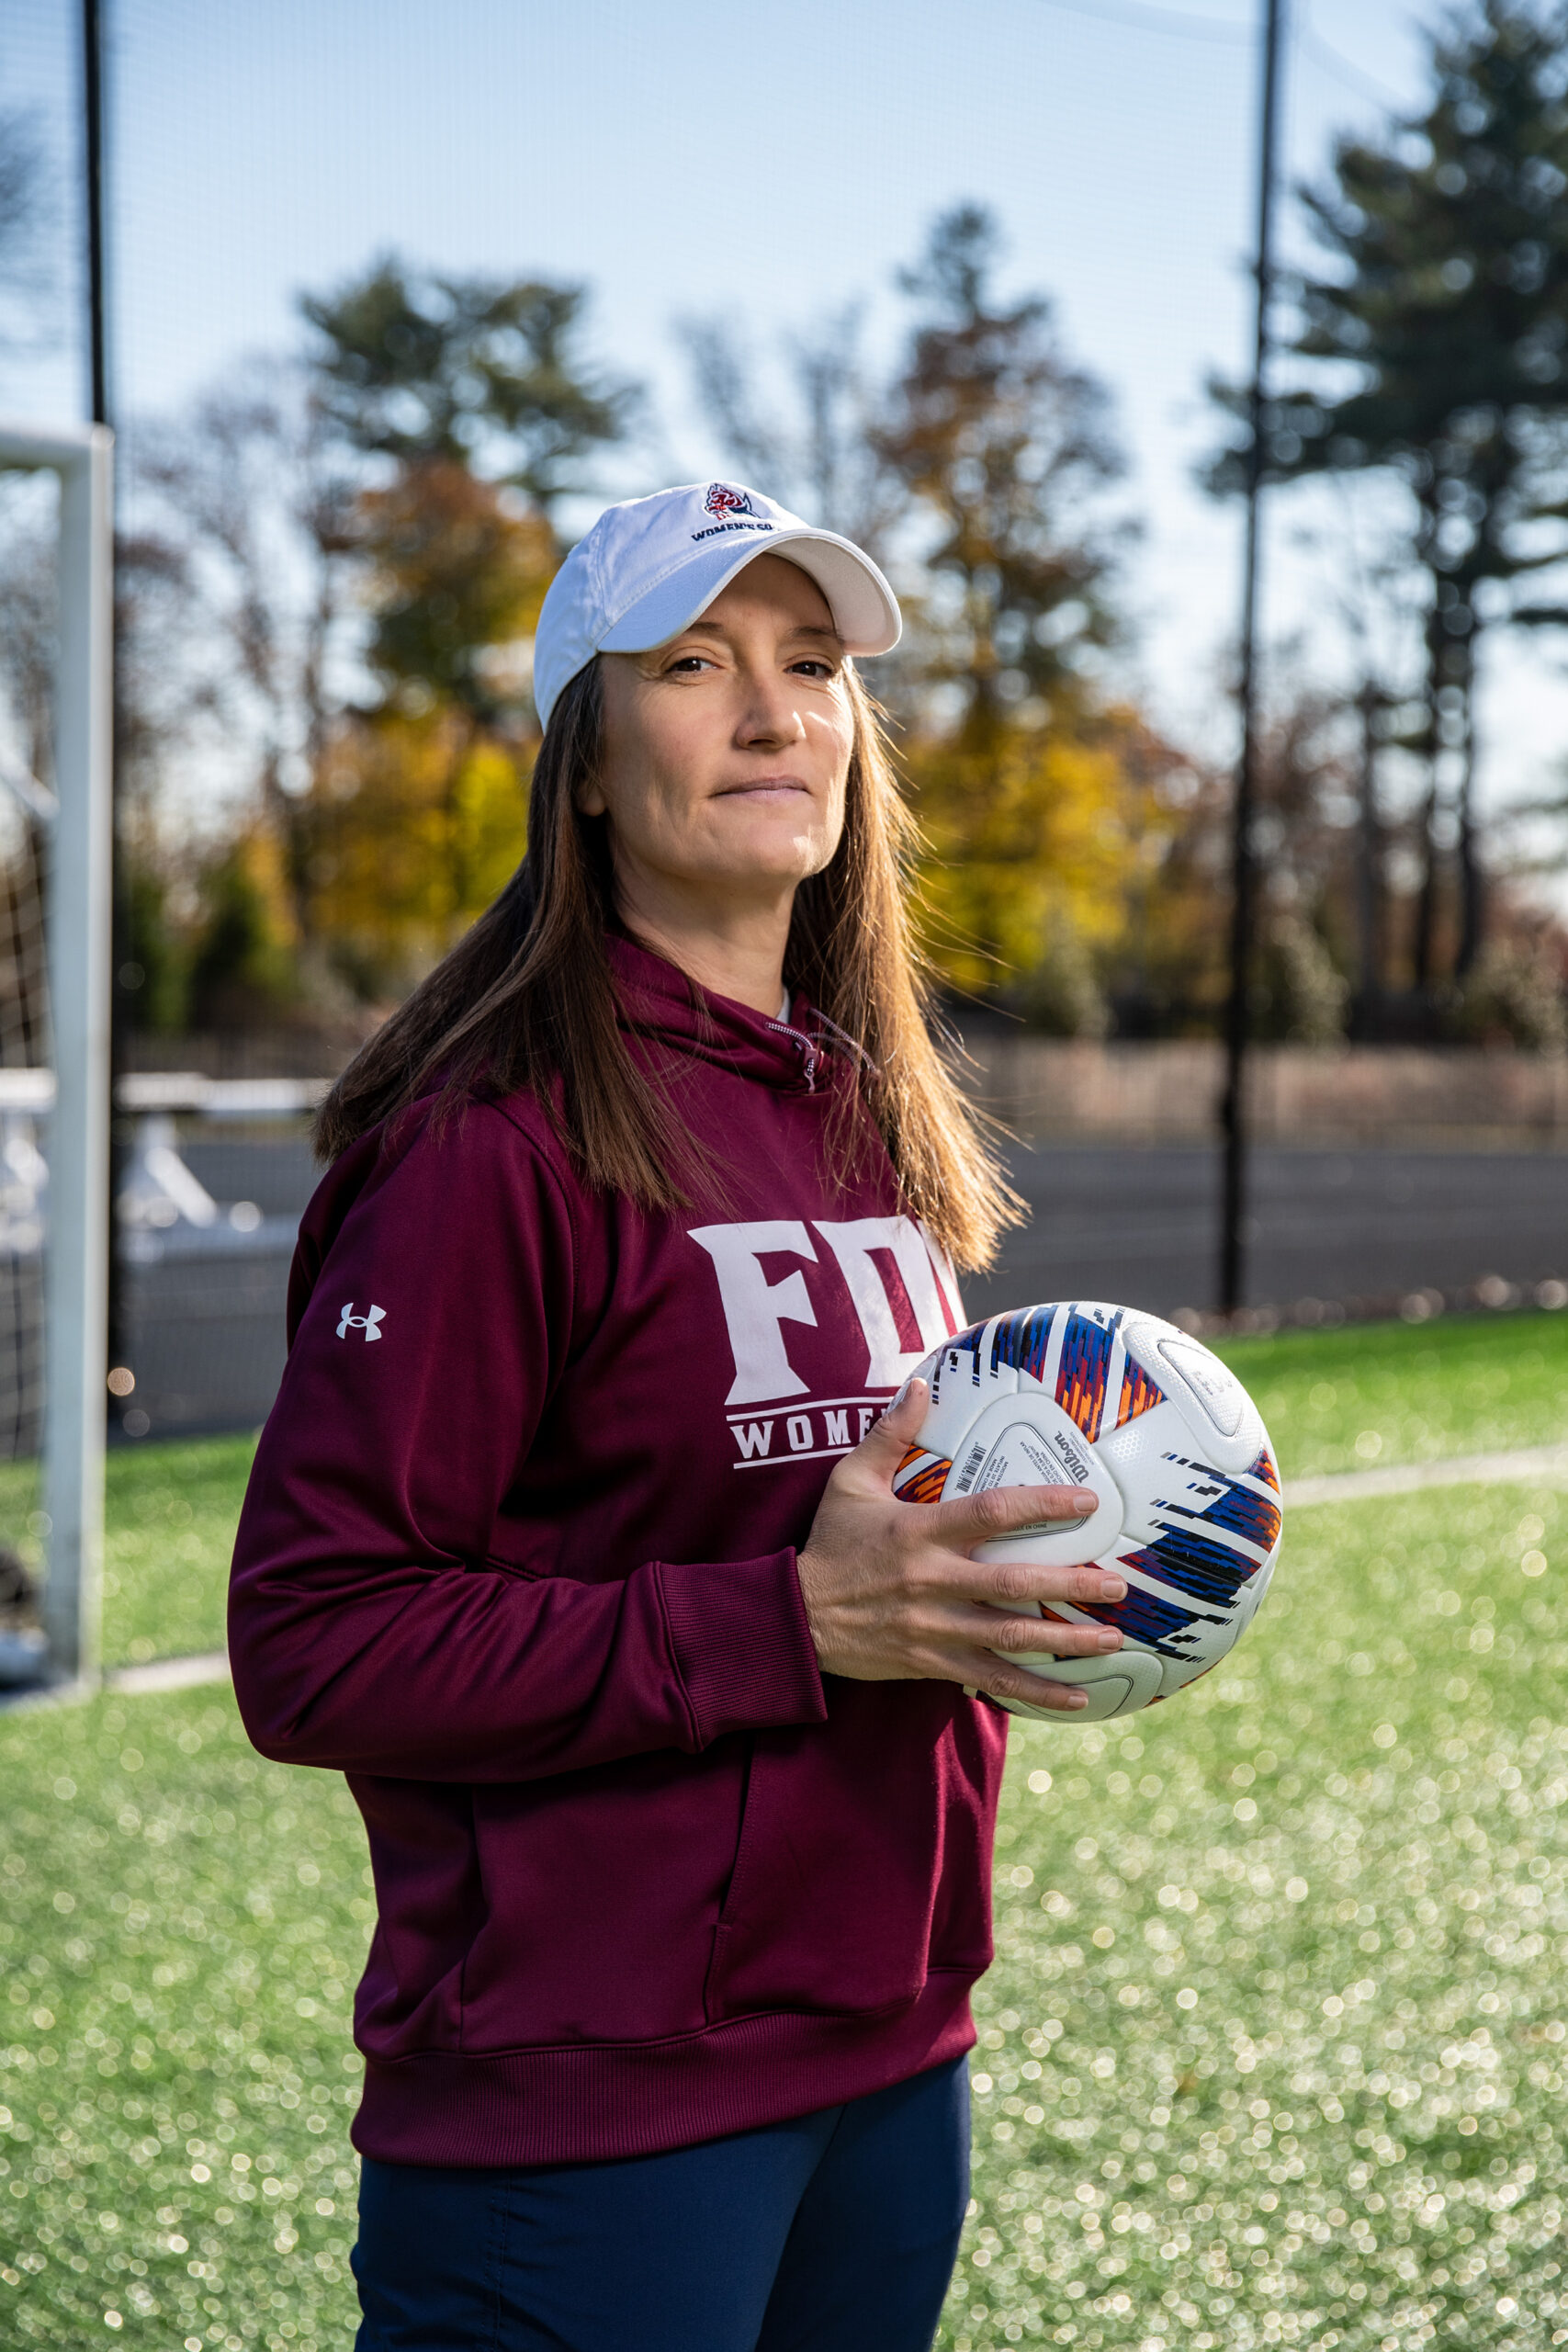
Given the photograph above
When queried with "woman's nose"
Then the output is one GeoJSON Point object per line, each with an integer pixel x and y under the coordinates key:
{"type": "Point", "coordinates": [770, 714]}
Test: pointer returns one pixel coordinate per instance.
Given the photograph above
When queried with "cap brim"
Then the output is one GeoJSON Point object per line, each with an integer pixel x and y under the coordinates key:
{"type": "Point", "coordinates": [864, 609]}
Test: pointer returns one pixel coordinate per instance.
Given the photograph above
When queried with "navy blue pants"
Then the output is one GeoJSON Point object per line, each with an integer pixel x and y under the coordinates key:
{"type": "Point", "coordinates": [835, 2233]}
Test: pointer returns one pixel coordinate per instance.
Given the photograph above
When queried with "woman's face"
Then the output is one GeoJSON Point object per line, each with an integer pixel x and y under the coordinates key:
{"type": "Point", "coordinates": [727, 752]}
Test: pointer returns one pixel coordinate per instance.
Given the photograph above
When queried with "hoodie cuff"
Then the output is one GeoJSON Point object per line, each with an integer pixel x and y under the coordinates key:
{"type": "Point", "coordinates": [742, 1646]}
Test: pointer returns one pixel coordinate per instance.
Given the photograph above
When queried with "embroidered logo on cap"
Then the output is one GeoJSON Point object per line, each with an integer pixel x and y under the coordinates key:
{"type": "Point", "coordinates": [733, 510]}
{"type": "Point", "coordinates": [724, 499]}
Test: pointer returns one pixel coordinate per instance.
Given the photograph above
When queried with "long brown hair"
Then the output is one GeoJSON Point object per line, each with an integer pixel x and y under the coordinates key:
{"type": "Point", "coordinates": [526, 1001]}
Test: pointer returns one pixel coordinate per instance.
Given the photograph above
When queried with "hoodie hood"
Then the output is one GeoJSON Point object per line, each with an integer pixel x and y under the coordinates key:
{"type": "Point", "coordinates": [657, 1002]}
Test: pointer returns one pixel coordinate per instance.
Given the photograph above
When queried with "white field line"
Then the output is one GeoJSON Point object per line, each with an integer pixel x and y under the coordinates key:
{"type": "Point", "coordinates": [169, 1673]}
{"type": "Point", "coordinates": [1543, 1463]}
{"type": "Point", "coordinates": [134, 1681]}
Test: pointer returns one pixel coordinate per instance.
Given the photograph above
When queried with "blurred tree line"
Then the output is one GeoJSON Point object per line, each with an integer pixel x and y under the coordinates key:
{"type": "Point", "coordinates": [331, 567]}
{"type": "Point", "coordinates": [1432, 351]}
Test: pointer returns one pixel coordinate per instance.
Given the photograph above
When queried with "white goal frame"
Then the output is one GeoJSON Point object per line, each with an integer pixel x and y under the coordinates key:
{"type": "Point", "coordinates": [77, 920]}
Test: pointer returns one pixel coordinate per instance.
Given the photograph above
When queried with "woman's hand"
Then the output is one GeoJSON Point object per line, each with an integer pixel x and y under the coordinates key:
{"type": "Point", "coordinates": [893, 1594]}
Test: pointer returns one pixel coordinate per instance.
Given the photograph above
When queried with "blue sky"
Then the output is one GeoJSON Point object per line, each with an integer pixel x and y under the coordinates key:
{"type": "Point", "coordinates": [769, 164]}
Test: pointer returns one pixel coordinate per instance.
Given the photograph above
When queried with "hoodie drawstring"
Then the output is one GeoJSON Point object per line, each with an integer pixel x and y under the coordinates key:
{"type": "Point", "coordinates": [810, 1058]}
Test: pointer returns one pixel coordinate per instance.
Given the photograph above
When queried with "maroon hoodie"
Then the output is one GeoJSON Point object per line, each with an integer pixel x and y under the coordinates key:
{"type": "Point", "coordinates": [518, 1558]}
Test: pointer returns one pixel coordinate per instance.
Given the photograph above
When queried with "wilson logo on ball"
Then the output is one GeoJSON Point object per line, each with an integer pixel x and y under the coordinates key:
{"type": "Point", "coordinates": [1188, 1512]}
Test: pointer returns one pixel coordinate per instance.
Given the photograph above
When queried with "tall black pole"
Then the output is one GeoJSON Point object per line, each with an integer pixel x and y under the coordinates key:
{"type": "Point", "coordinates": [95, 206]}
{"type": "Point", "coordinates": [1368, 876]}
{"type": "Point", "coordinates": [1233, 1108]}
{"type": "Point", "coordinates": [92, 191]}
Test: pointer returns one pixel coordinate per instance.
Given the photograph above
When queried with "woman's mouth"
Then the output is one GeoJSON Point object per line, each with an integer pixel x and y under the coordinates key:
{"type": "Point", "coordinates": [766, 788]}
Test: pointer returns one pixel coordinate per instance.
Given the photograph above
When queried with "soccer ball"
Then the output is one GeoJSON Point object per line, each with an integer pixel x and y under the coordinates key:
{"type": "Point", "coordinates": [1084, 1395]}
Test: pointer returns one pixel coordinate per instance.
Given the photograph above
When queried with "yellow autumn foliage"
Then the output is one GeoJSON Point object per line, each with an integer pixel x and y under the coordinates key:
{"type": "Point", "coordinates": [420, 819]}
{"type": "Point", "coordinates": [1035, 839]}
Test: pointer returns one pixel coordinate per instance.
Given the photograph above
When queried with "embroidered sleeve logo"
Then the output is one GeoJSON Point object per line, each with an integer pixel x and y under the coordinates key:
{"type": "Point", "coordinates": [369, 1324]}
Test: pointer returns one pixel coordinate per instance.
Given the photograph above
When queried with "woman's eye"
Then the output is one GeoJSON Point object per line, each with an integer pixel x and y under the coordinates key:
{"type": "Point", "coordinates": [815, 669]}
{"type": "Point", "coordinates": [687, 665]}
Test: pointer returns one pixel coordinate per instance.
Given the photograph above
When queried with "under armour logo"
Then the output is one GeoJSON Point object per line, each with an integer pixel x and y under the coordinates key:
{"type": "Point", "coordinates": [366, 1323]}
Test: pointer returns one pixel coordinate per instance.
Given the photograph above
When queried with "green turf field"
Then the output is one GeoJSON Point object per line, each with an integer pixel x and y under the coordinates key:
{"type": "Point", "coordinates": [1272, 2052]}
{"type": "Point", "coordinates": [1371, 1394]}
{"type": "Point", "coordinates": [169, 1513]}
{"type": "Point", "coordinates": [1273, 2045]}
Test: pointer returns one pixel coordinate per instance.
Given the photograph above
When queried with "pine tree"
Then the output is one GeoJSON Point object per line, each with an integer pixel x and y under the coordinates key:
{"type": "Point", "coordinates": [1447, 297]}
{"type": "Point", "coordinates": [484, 373]}
{"type": "Point", "coordinates": [1004, 448]}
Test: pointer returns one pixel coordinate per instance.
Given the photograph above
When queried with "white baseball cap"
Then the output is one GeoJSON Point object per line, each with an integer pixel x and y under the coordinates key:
{"type": "Point", "coordinates": [649, 566]}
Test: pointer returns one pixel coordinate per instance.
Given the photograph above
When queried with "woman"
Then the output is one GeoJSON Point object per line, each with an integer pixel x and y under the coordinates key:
{"type": "Point", "coordinates": [571, 1541]}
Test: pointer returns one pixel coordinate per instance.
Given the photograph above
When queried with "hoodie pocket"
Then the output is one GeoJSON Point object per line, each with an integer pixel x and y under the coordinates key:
{"type": "Point", "coordinates": [600, 1893]}
{"type": "Point", "coordinates": [863, 1861]}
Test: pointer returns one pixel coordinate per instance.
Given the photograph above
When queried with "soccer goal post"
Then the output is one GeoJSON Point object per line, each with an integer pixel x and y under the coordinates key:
{"type": "Point", "coordinates": [78, 824]}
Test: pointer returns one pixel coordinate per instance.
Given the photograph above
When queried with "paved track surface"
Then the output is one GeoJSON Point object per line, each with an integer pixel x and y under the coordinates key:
{"type": "Point", "coordinates": [1140, 1225]}
{"type": "Point", "coordinates": [1136, 1221]}
{"type": "Point", "coordinates": [1129, 1224]}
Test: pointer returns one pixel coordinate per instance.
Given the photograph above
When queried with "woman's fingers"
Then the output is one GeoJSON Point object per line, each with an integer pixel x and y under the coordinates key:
{"type": "Point", "coordinates": [1002, 1510]}
{"type": "Point", "coordinates": [887, 1440]}
{"type": "Point", "coordinates": [998, 1678]}
{"type": "Point", "coordinates": [1018, 1584]}
{"type": "Point", "coordinates": [1063, 1698]}
{"type": "Point", "coordinates": [1026, 1636]}
{"type": "Point", "coordinates": [977, 1635]}
{"type": "Point", "coordinates": [893, 1591]}
{"type": "Point", "coordinates": [978, 1519]}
